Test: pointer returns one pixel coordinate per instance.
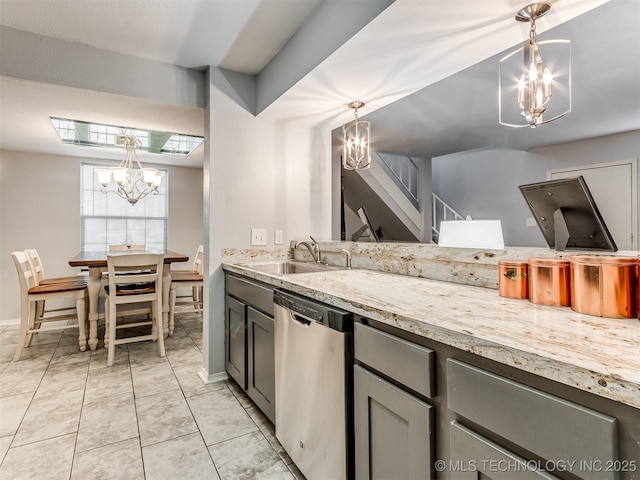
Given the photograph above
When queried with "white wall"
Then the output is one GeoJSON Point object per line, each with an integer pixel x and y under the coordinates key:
{"type": "Point", "coordinates": [40, 208]}
{"type": "Point", "coordinates": [484, 183]}
{"type": "Point", "coordinates": [259, 175]}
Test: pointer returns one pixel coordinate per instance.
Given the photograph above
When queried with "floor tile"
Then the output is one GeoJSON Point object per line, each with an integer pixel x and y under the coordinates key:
{"type": "Point", "coordinates": [54, 460]}
{"type": "Point", "coordinates": [190, 355]}
{"type": "Point", "coordinates": [37, 355]}
{"type": "Point", "coordinates": [269, 432]}
{"type": "Point", "coordinates": [20, 378]}
{"type": "Point", "coordinates": [240, 394]}
{"type": "Point", "coordinates": [182, 457]}
{"type": "Point", "coordinates": [70, 354]}
{"type": "Point", "coordinates": [6, 353]}
{"type": "Point", "coordinates": [144, 353]}
{"type": "Point", "coordinates": [50, 416]}
{"type": "Point", "coordinates": [12, 410]}
{"type": "Point", "coordinates": [4, 446]}
{"type": "Point", "coordinates": [258, 459]}
{"type": "Point", "coordinates": [153, 378]}
{"type": "Point", "coordinates": [163, 416]}
{"type": "Point", "coordinates": [107, 420]}
{"type": "Point", "coordinates": [63, 378]}
{"type": "Point", "coordinates": [220, 417]}
{"type": "Point", "coordinates": [192, 384]}
{"type": "Point", "coordinates": [108, 381]}
{"type": "Point", "coordinates": [121, 460]}
{"type": "Point", "coordinates": [99, 357]}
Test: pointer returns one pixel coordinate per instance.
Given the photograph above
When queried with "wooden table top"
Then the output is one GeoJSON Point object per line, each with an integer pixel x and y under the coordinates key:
{"type": "Point", "coordinates": [99, 258]}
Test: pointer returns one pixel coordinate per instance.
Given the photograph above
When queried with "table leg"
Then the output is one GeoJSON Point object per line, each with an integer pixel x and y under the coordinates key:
{"type": "Point", "coordinates": [166, 286]}
{"type": "Point", "coordinates": [93, 286]}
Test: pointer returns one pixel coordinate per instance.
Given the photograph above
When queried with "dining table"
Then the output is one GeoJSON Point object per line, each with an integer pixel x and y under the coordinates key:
{"type": "Point", "coordinates": [96, 263]}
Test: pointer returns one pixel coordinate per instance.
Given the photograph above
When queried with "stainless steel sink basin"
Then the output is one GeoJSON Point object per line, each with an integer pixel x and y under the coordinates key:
{"type": "Point", "coordinates": [288, 267]}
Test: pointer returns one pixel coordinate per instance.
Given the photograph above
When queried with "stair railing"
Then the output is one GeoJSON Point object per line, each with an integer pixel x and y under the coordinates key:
{"type": "Point", "coordinates": [446, 213]}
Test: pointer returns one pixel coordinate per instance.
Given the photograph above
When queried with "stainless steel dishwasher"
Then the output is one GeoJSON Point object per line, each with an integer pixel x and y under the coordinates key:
{"type": "Point", "coordinates": [314, 385]}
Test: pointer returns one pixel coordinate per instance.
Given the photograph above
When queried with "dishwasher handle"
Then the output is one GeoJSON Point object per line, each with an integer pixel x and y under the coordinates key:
{"type": "Point", "coordinates": [301, 320]}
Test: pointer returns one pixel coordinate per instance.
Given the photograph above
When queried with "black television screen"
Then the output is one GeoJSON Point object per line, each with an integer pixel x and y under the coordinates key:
{"type": "Point", "coordinates": [567, 215]}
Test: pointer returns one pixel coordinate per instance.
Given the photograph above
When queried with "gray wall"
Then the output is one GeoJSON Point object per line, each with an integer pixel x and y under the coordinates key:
{"type": "Point", "coordinates": [40, 208]}
{"type": "Point", "coordinates": [484, 183]}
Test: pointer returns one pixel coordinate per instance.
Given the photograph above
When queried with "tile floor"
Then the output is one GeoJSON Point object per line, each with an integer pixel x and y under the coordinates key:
{"type": "Point", "coordinates": [65, 415]}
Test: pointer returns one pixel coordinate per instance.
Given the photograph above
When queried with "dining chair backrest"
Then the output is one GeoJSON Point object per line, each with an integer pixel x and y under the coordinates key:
{"type": "Point", "coordinates": [25, 273]}
{"type": "Point", "coordinates": [140, 268]}
{"type": "Point", "coordinates": [35, 264]}
{"type": "Point", "coordinates": [198, 260]}
{"type": "Point", "coordinates": [124, 248]}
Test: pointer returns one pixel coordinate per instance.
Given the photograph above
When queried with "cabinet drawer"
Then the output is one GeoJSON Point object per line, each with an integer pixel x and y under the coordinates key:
{"type": "Point", "coordinates": [547, 426]}
{"type": "Point", "coordinates": [407, 363]}
{"type": "Point", "coordinates": [472, 455]}
{"type": "Point", "coordinates": [250, 292]}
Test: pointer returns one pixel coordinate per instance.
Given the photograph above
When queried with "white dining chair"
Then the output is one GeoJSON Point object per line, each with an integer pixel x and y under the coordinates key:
{"type": "Point", "coordinates": [37, 270]}
{"type": "Point", "coordinates": [144, 285]}
{"type": "Point", "coordinates": [31, 293]}
{"type": "Point", "coordinates": [182, 279]}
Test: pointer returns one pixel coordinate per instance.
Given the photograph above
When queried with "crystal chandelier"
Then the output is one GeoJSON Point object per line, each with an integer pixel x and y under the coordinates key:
{"type": "Point", "coordinates": [530, 85]}
{"type": "Point", "coordinates": [133, 182]}
{"type": "Point", "coordinates": [356, 154]}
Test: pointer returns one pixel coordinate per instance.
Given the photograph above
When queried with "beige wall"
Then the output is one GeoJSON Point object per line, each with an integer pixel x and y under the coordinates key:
{"type": "Point", "coordinates": [40, 208]}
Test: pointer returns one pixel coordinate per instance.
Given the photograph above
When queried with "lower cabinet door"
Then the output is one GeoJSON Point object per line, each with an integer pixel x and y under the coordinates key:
{"type": "Point", "coordinates": [235, 340]}
{"type": "Point", "coordinates": [393, 431]}
{"type": "Point", "coordinates": [261, 360]}
{"type": "Point", "coordinates": [475, 457]}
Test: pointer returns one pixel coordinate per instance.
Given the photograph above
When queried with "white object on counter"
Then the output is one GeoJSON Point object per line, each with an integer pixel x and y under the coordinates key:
{"type": "Point", "coordinates": [471, 234]}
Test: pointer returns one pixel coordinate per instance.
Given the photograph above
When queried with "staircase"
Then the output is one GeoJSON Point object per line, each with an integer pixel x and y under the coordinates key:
{"type": "Point", "coordinates": [441, 211]}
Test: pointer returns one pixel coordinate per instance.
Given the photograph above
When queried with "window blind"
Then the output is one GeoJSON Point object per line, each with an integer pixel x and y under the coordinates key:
{"type": "Point", "coordinates": [109, 219]}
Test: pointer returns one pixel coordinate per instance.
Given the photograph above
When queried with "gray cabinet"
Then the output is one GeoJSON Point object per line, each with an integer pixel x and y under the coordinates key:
{"type": "Point", "coordinates": [235, 340]}
{"type": "Point", "coordinates": [394, 428]}
{"type": "Point", "coordinates": [261, 361]}
{"type": "Point", "coordinates": [250, 340]}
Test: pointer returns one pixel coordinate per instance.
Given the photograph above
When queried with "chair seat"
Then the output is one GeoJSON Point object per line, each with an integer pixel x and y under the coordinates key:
{"type": "Point", "coordinates": [57, 287]}
{"type": "Point", "coordinates": [186, 276]}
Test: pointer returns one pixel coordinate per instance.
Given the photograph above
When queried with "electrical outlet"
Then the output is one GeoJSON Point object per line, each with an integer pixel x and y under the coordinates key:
{"type": "Point", "coordinates": [278, 237]}
{"type": "Point", "coordinates": [531, 222]}
{"type": "Point", "coordinates": [258, 236]}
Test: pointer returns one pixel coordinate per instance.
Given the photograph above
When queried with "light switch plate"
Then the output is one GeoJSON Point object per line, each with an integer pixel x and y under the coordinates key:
{"type": "Point", "coordinates": [531, 222]}
{"type": "Point", "coordinates": [258, 236]}
{"type": "Point", "coordinates": [278, 237]}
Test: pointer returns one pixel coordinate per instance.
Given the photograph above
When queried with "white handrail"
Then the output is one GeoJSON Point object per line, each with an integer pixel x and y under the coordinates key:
{"type": "Point", "coordinates": [446, 208]}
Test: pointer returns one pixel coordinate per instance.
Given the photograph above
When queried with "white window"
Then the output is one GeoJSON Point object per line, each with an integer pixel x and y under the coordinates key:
{"type": "Point", "coordinates": [107, 219]}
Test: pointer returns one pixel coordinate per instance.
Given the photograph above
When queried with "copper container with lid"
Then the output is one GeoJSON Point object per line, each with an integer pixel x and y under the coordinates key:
{"type": "Point", "coordinates": [604, 285]}
{"type": "Point", "coordinates": [549, 282]}
{"type": "Point", "coordinates": [513, 281]}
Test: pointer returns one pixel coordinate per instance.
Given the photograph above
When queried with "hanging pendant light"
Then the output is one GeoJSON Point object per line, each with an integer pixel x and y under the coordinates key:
{"type": "Point", "coordinates": [356, 154]}
{"type": "Point", "coordinates": [132, 183]}
{"type": "Point", "coordinates": [526, 88]}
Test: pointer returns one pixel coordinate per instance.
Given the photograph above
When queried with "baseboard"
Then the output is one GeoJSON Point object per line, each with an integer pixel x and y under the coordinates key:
{"type": "Point", "coordinates": [212, 378]}
{"type": "Point", "coordinates": [9, 322]}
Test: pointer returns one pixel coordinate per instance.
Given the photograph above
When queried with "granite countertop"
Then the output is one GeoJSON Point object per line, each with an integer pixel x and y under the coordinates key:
{"type": "Point", "coordinates": [597, 355]}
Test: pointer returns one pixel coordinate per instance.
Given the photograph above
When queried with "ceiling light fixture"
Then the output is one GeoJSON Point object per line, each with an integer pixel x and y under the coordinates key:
{"type": "Point", "coordinates": [132, 183]}
{"type": "Point", "coordinates": [530, 85]}
{"type": "Point", "coordinates": [356, 154]}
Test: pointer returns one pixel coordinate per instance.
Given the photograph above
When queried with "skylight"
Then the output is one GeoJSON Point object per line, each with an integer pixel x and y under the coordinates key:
{"type": "Point", "coordinates": [88, 134]}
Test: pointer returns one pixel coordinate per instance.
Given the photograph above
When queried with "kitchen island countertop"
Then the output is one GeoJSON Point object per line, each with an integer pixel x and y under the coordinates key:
{"type": "Point", "coordinates": [593, 354]}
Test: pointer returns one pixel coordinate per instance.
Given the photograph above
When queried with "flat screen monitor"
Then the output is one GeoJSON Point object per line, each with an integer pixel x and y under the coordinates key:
{"type": "Point", "coordinates": [567, 215]}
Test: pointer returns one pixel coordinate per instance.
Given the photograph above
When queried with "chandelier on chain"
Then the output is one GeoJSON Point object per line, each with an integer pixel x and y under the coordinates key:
{"type": "Point", "coordinates": [132, 180]}
{"type": "Point", "coordinates": [356, 154]}
{"type": "Point", "coordinates": [525, 88]}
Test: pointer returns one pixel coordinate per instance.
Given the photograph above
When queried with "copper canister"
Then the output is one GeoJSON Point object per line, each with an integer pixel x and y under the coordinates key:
{"type": "Point", "coordinates": [604, 285]}
{"type": "Point", "coordinates": [549, 282]}
{"type": "Point", "coordinates": [513, 279]}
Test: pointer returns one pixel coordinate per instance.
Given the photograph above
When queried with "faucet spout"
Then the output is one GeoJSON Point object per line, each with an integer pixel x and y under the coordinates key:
{"type": "Point", "coordinates": [314, 249]}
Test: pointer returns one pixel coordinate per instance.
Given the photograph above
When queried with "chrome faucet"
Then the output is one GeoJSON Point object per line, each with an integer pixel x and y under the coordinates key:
{"type": "Point", "coordinates": [314, 248]}
{"type": "Point", "coordinates": [348, 255]}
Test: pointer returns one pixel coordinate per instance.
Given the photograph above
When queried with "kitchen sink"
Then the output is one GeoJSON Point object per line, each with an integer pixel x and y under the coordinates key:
{"type": "Point", "coordinates": [288, 267]}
